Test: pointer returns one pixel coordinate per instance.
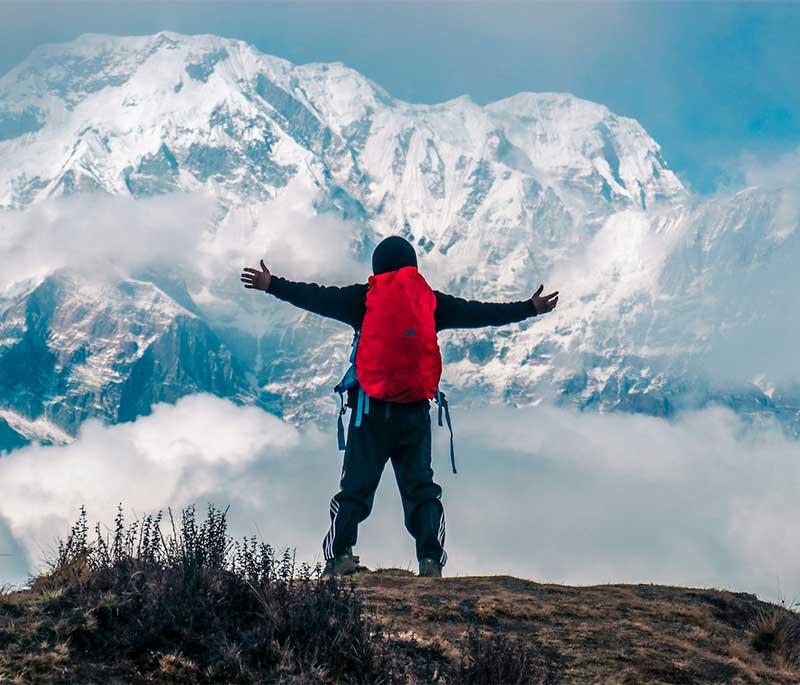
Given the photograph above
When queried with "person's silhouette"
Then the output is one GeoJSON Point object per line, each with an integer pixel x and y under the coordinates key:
{"type": "Point", "coordinates": [396, 431]}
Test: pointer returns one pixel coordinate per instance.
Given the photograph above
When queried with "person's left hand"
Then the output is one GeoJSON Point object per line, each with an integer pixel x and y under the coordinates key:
{"type": "Point", "coordinates": [544, 303]}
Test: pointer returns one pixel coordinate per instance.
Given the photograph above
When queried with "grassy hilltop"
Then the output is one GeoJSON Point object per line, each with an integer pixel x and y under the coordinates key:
{"type": "Point", "coordinates": [196, 606]}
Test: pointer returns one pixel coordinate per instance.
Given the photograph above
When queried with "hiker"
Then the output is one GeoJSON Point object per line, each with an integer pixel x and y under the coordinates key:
{"type": "Point", "coordinates": [395, 374]}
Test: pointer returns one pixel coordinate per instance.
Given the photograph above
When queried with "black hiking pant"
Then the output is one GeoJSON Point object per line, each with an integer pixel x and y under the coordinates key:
{"type": "Point", "coordinates": [400, 433]}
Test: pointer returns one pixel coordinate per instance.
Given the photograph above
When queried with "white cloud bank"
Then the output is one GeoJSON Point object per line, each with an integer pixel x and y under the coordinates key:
{"type": "Point", "coordinates": [182, 238]}
{"type": "Point", "coordinates": [102, 234]}
{"type": "Point", "coordinates": [118, 235]}
{"type": "Point", "coordinates": [545, 493]}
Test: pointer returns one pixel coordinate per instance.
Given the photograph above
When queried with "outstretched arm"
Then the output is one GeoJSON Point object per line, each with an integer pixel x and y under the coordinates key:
{"type": "Point", "coordinates": [343, 304]}
{"type": "Point", "coordinates": [456, 312]}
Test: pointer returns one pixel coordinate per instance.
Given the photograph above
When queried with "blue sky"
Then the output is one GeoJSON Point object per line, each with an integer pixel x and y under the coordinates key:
{"type": "Point", "coordinates": [710, 81]}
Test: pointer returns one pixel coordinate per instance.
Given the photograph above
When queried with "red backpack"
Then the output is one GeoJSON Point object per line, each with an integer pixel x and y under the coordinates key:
{"type": "Point", "coordinates": [395, 355]}
{"type": "Point", "coordinates": [398, 358]}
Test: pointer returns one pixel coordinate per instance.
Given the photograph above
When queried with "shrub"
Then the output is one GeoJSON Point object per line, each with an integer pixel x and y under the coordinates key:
{"type": "Point", "coordinates": [194, 605]}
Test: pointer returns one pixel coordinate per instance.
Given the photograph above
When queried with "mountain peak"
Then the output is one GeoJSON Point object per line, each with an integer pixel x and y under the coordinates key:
{"type": "Point", "coordinates": [204, 97]}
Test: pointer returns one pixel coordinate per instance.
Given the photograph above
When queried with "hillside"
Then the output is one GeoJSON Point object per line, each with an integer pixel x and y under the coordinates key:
{"type": "Point", "coordinates": [180, 600]}
{"type": "Point", "coordinates": [473, 629]}
{"type": "Point", "coordinates": [603, 633]}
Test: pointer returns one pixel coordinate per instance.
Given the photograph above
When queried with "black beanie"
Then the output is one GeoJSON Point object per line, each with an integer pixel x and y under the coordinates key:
{"type": "Point", "coordinates": [391, 254]}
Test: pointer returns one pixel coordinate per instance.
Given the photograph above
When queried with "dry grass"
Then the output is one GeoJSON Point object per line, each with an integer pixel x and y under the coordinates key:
{"type": "Point", "coordinates": [776, 635]}
{"type": "Point", "coordinates": [195, 606]}
{"type": "Point", "coordinates": [609, 634]}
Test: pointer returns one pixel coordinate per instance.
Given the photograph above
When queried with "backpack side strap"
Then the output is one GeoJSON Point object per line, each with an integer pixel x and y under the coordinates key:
{"type": "Point", "coordinates": [441, 400]}
{"type": "Point", "coordinates": [340, 423]}
{"type": "Point", "coordinates": [348, 381]}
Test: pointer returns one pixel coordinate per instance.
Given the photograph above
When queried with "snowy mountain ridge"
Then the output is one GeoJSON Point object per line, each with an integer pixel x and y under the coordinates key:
{"type": "Point", "coordinates": [305, 161]}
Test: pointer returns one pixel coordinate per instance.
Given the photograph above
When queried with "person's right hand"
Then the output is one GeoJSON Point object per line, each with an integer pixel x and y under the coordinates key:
{"type": "Point", "coordinates": [253, 278]}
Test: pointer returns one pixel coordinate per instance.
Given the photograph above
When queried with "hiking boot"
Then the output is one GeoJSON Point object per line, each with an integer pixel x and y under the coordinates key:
{"type": "Point", "coordinates": [341, 565]}
{"type": "Point", "coordinates": [430, 568]}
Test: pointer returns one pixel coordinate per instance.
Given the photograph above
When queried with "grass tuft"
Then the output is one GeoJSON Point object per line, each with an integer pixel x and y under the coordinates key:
{"type": "Point", "coordinates": [491, 659]}
{"type": "Point", "coordinates": [776, 633]}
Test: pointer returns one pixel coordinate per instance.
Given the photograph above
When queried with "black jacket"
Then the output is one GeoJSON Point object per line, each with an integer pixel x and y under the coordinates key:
{"type": "Point", "coordinates": [348, 305]}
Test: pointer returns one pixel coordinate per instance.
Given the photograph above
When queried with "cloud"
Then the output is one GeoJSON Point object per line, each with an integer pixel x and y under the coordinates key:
{"type": "Point", "coordinates": [102, 234]}
{"type": "Point", "coordinates": [292, 236]}
{"type": "Point", "coordinates": [117, 236]}
{"type": "Point", "coordinates": [170, 457]}
{"type": "Point", "coordinates": [183, 239]}
{"type": "Point", "coordinates": [774, 171]}
{"type": "Point", "coordinates": [737, 268]}
{"type": "Point", "coordinates": [781, 172]}
{"type": "Point", "coordinates": [704, 499]}
{"type": "Point", "coordinates": [14, 561]}
{"type": "Point", "coordinates": [545, 493]}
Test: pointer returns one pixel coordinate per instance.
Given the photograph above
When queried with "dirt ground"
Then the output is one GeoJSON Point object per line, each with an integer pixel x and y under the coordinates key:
{"type": "Point", "coordinates": [605, 633]}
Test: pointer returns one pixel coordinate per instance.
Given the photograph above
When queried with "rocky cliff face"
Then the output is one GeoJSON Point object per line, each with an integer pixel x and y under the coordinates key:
{"type": "Point", "coordinates": [75, 348]}
{"type": "Point", "coordinates": [496, 198]}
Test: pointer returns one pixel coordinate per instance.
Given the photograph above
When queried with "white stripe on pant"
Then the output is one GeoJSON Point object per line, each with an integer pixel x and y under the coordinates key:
{"type": "Point", "coordinates": [329, 538]}
{"type": "Point", "coordinates": [440, 536]}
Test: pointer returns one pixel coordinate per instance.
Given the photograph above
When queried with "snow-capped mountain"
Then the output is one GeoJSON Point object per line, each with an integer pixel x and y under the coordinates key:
{"type": "Point", "coordinates": [305, 163]}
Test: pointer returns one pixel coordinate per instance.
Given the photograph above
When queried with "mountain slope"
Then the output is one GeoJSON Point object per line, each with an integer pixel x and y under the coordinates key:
{"type": "Point", "coordinates": [74, 348]}
{"type": "Point", "coordinates": [311, 165]}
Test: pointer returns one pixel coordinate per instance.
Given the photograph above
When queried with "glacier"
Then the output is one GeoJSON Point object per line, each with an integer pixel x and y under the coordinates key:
{"type": "Point", "coordinates": [669, 300]}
